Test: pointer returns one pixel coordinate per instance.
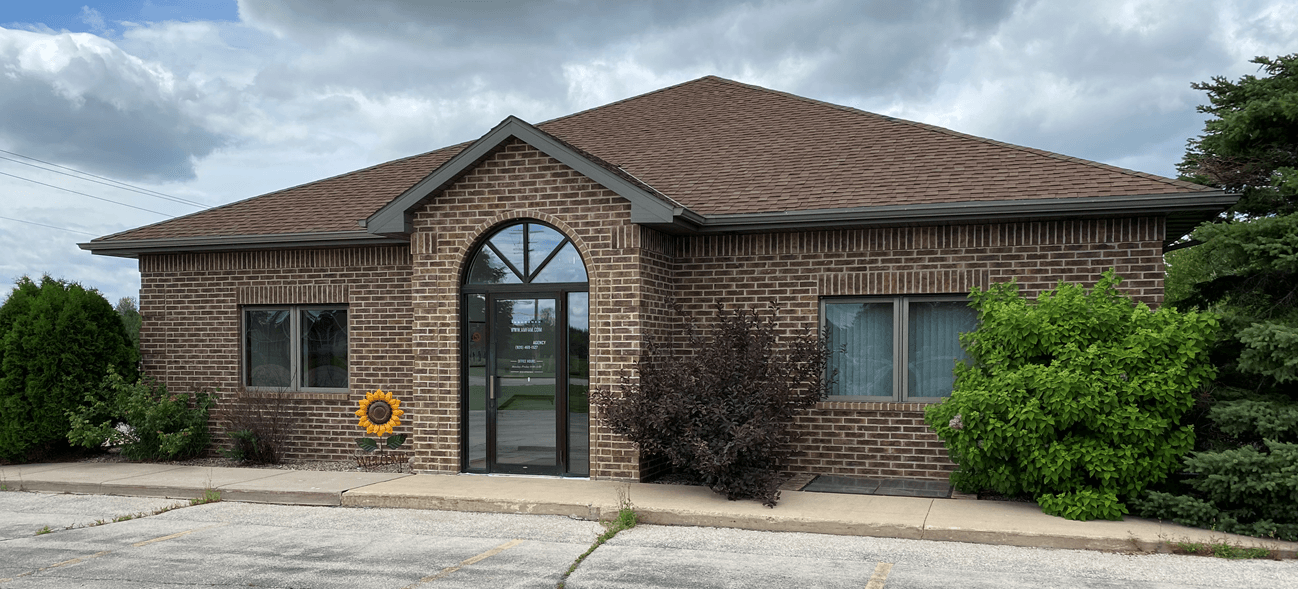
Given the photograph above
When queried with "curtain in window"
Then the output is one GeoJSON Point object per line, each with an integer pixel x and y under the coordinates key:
{"type": "Point", "coordinates": [865, 329]}
{"type": "Point", "coordinates": [269, 347]}
{"type": "Point", "coordinates": [324, 348]}
{"type": "Point", "coordinates": [933, 338]}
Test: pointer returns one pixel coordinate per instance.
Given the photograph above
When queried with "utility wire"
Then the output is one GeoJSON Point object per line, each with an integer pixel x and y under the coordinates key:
{"type": "Point", "coordinates": [49, 226]}
{"type": "Point", "coordinates": [136, 188]}
{"type": "Point", "coordinates": [108, 184]}
{"type": "Point", "coordinates": [87, 195]}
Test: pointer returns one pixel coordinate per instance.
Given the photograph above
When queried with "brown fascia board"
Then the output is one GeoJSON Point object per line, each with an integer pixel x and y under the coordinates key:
{"type": "Point", "coordinates": [648, 206]}
{"type": "Point", "coordinates": [1206, 202]}
{"type": "Point", "coordinates": [134, 247]}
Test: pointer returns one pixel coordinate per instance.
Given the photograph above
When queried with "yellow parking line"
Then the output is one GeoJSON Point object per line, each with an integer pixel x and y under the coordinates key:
{"type": "Point", "coordinates": [56, 565]}
{"type": "Point", "coordinates": [99, 554]}
{"type": "Point", "coordinates": [880, 575]}
{"type": "Point", "coordinates": [466, 562]}
{"type": "Point", "coordinates": [170, 536]}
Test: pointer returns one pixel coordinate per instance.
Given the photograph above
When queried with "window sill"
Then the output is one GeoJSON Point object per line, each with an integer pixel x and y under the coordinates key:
{"type": "Point", "coordinates": [839, 403]}
{"type": "Point", "coordinates": [294, 395]}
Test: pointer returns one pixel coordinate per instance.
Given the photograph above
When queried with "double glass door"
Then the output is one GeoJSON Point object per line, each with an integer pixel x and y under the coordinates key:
{"type": "Point", "coordinates": [526, 379]}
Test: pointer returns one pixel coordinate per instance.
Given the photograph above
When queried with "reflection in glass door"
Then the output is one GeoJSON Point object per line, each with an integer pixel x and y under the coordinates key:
{"type": "Point", "coordinates": [524, 385]}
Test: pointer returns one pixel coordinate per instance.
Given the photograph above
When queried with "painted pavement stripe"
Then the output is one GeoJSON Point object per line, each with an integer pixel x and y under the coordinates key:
{"type": "Point", "coordinates": [880, 575]}
{"type": "Point", "coordinates": [466, 562]}
{"type": "Point", "coordinates": [176, 535]}
{"type": "Point", "coordinates": [99, 554]}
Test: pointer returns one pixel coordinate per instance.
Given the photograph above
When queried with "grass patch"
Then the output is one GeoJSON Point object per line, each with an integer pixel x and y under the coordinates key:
{"type": "Point", "coordinates": [625, 520]}
{"type": "Point", "coordinates": [207, 498]}
{"type": "Point", "coordinates": [1222, 550]}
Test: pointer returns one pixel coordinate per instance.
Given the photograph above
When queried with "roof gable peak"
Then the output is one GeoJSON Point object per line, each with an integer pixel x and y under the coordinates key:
{"type": "Point", "coordinates": [647, 204]}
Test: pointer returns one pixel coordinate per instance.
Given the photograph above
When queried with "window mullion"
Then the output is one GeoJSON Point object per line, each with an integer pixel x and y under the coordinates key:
{"type": "Point", "coordinates": [899, 345]}
{"type": "Point", "coordinates": [296, 346]}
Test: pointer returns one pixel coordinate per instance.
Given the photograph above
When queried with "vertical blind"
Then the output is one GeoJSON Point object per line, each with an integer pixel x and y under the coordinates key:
{"type": "Point", "coordinates": [863, 338]}
{"type": "Point", "coordinates": [933, 345]}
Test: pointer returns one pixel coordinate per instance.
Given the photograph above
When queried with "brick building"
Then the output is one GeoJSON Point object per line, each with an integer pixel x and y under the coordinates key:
{"type": "Point", "coordinates": [490, 285]}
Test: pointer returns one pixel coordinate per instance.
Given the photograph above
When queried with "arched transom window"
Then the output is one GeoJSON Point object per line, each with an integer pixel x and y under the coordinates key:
{"type": "Point", "coordinates": [527, 253]}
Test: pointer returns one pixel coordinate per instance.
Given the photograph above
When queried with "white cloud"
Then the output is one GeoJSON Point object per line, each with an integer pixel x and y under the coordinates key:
{"type": "Point", "coordinates": [95, 21]}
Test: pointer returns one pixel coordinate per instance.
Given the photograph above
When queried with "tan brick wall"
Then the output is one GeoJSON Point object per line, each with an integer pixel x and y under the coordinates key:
{"type": "Point", "coordinates": [190, 336]}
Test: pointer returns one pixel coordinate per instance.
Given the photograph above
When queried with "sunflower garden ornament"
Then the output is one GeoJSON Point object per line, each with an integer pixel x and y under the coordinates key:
{"type": "Point", "coordinates": [380, 412]}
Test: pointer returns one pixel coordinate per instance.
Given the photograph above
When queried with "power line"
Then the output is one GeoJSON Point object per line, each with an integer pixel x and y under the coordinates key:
{"type": "Point", "coordinates": [108, 184]}
{"type": "Point", "coordinates": [86, 195]}
{"type": "Point", "coordinates": [48, 226]}
{"type": "Point", "coordinates": [135, 188]}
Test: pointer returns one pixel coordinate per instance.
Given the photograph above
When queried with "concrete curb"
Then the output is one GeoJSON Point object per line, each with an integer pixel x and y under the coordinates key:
{"type": "Point", "coordinates": [982, 522]}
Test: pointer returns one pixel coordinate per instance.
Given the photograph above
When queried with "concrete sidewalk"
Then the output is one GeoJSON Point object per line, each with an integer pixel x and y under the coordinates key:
{"type": "Point", "coordinates": [987, 522]}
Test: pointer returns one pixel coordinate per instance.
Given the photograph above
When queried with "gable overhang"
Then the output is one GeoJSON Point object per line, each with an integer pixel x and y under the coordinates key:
{"type": "Point", "coordinates": [648, 206]}
{"type": "Point", "coordinates": [133, 248]}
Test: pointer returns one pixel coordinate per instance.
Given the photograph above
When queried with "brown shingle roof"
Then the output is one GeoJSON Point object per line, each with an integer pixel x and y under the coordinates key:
{"type": "Point", "coordinates": [721, 147]}
{"type": "Point", "coordinates": [332, 204]}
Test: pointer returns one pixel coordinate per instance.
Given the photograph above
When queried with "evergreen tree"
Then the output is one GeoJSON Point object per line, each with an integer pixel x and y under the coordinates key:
{"type": "Point", "coordinates": [57, 341]}
{"type": "Point", "coordinates": [1250, 145]}
{"type": "Point", "coordinates": [1242, 477]}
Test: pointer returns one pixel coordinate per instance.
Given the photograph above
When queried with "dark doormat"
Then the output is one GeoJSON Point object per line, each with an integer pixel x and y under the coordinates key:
{"type": "Point", "coordinates": [871, 486]}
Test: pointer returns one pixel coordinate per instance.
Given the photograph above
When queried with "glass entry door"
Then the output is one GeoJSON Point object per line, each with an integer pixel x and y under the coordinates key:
{"type": "Point", "coordinates": [527, 377]}
{"type": "Point", "coordinates": [523, 385]}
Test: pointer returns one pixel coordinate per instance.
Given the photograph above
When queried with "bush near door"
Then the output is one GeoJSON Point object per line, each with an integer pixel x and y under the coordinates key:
{"type": "Point", "coordinates": [721, 405]}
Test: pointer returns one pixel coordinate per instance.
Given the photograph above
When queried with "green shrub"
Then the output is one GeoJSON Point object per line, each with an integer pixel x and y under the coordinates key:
{"type": "Point", "coordinates": [56, 341]}
{"type": "Point", "coordinates": [721, 407]}
{"type": "Point", "coordinates": [148, 422]}
{"type": "Point", "coordinates": [1075, 399]}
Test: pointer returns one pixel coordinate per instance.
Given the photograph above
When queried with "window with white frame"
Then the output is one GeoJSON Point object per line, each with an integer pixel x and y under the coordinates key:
{"type": "Point", "coordinates": [295, 347]}
{"type": "Point", "coordinates": [901, 348]}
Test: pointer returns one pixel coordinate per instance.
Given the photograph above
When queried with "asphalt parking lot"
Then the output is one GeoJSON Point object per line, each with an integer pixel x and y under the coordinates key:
{"type": "Point", "coordinates": [245, 544]}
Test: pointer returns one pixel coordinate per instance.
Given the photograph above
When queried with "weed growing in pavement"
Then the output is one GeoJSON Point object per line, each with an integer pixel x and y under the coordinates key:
{"type": "Point", "coordinates": [44, 530]}
{"type": "Point", "coordinates": [209, 496]}
{"type": "Point", "coordinates": [4, 483]}
{"type": "Point", "coordinates": [625, 520]}
{"type": "Point", "coordinates": [1222, 550]}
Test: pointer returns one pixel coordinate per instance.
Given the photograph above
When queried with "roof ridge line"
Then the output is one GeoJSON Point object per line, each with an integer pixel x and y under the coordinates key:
{"type": "Point", "coordinates": [943, 130]}
{"type": "Point", "coordinates": [285, 189]}
{"type": "Point", "coordinates": [629, 98]}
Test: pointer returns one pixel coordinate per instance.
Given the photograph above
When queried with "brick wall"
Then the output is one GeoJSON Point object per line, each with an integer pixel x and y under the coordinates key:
{"type": "Point", "coordinates": [191, 339]}
{"type": "Point", "coordinates": [797, 269]}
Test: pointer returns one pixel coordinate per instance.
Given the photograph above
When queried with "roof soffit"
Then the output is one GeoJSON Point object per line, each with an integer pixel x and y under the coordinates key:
{"type": "Point", "coordinates": [647, 205]}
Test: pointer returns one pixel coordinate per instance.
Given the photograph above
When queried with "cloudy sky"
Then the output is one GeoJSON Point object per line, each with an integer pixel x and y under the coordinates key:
{"type": "Point", "coordinates": [194, 104]}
